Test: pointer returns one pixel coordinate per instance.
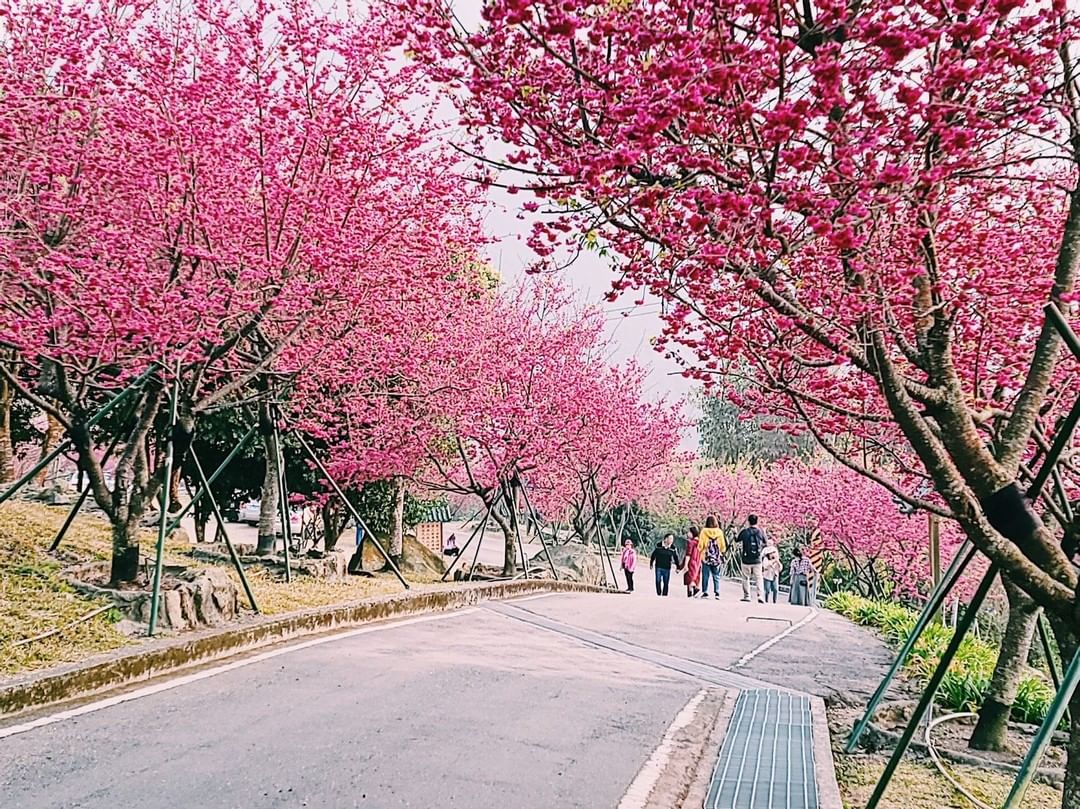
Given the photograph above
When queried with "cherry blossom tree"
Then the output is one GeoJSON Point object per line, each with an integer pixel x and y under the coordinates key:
{"type": "Point", "coordinates": [867, 204]}
{"type": "Point", "coordinates": [198, 186]}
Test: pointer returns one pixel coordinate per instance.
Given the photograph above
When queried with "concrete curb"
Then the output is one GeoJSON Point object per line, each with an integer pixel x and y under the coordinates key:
{"type": "Point", "coordinates": [92, 677]}
{"type": "Point", "coordinates": [824, 764]}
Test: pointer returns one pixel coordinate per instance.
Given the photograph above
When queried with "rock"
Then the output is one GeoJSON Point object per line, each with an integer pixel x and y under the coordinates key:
{"type": "Point", "coordinates": [573, 562]}
{"type": "Point", "coordinates": [173, 611]}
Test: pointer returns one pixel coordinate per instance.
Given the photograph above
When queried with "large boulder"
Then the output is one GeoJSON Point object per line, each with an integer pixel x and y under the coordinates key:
{"type": "Point", "coordinates": [573, 562]}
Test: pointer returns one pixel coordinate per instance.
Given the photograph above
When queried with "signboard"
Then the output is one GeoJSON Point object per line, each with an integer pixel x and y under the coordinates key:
{"type": "Point", "coordinates": [430, 535]}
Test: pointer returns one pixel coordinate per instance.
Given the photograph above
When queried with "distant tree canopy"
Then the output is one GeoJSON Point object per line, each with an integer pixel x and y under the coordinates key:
{"type": "Point", "coordinates": [728, 435]}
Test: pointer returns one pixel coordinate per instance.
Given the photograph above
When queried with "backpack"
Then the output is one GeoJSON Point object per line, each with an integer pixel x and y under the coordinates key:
{"type": "Point", "coordinates": [712, 553]}
{"type": "Point", "coordinates": [752, 542]}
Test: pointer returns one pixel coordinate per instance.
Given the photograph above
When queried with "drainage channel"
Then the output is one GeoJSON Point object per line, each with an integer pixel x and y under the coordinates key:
{"type": "Point", "coordinates": [767, 758]}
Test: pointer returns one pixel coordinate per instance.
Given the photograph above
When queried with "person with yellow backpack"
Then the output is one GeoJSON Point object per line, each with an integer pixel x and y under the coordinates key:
{"type": "Point", "coordinates": [712, 545]}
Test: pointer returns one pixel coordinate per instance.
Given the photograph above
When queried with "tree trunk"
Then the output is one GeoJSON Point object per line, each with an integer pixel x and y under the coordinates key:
{"type": "Point", "coordinates": [268, 504]}
{"type": "Point", "coordinates": [331, 527]}
{"type": "Point", "coordinates": [7, 446]}
{"type": "Point", "coordinates": [48, 441]}
{"type": "Point", "coordinates": [129, 501]}
{"type": "Point", "coordinates": [509, 542]}
{"type": "Point", "coordinates": [992, 730]}
{"type": "Point", "coordinates": [397, 523]}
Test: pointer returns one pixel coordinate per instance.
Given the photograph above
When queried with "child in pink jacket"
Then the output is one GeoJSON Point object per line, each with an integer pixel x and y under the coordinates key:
{"type": "Point", "coordinates": [629, 562]}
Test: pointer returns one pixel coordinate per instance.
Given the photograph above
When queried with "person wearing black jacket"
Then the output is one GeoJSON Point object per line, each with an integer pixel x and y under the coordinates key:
{"type": "Point", "coordinates": [664, 557]}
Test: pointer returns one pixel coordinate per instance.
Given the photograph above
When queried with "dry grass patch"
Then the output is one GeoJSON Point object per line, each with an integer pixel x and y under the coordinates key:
{"type": "Point", "coordinates": [275, 596]}
{"type": "Point", "coordinates": [917, 785]}
{"type": "Point", "coordinates": [35, 599]}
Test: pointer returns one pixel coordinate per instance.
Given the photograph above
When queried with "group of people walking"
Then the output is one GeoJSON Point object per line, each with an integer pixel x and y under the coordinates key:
{"type": "Point", "coordinates": [702, 564]}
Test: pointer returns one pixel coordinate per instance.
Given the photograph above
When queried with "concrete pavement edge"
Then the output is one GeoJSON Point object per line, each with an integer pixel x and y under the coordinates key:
{"type": "Point", "coordinates": [824, 763]}
{"type": "Point", "coordinates": [99, 675]}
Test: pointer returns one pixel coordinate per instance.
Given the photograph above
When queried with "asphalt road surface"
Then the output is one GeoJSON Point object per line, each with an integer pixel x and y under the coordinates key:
{"type": "Point", "coordinates": [545, 702]}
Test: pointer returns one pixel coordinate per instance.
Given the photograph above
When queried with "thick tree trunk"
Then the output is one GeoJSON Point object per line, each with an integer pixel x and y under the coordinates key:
{"type": "Point", "coordinates": [509, 542]}
{"type": "Point", "coordinates": [397, 523]}
{"type": "Point", "coordinates": [129, 502]}
{"type": "Point", "coordinates": [7, 446]}
{"type": "Point", "coordinates": [331, 528]}
{"type": "Point", "coordinates": [53, 430]}
{"type": "Point", "coordinates": [268, 506]}
{"type": "Point", "coordinates": [992, 729]}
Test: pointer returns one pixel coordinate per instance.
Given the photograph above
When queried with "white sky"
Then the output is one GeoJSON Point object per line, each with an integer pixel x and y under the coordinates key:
{"type": "Point", "coordinates": [628, 327]}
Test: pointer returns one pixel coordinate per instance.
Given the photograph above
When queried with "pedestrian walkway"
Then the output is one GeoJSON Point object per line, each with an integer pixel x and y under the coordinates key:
{"type": "Point", "coordinates": [767, 758]}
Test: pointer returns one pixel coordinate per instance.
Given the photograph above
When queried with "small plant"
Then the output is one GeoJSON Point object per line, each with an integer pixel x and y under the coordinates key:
{"type": "Point", "coordinates": [966, 682]}
{"type": "Point", "coordinates": [1033, 698]}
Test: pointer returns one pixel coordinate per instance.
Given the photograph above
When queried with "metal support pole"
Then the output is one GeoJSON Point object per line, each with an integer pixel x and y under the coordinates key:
{"type": "Point", "coordinates": [216, 474]}
{"type": "Point", "coordinates": [479, 543]}
{"type": "Point", "coordinates": [356, 515]}
{"type": "Point", "coordinates": [930, 692]}
{"type": "Point", "coordinates": [963, 557]}
{"type": "Point", "coordinates": [479, 530]}
{"type": "Point", "coordinates": [1048, 651]}
{"type": "Point", "coordinates": [75, 509]}
{"type": "Point", "coordinates": [1044, 735]}
{"type": "Point", "coordinates": [63, 445]}
{"type": "Point", "coordinates": [159, 557]}
{"type": "Point", "coordinates": [283, 503]}
{"type": "Point", "coordinates": [1061, 440]}
{"type": "Point", "coordinates": [604, 555]}
{"type": "Point", "coordinates": [513, 507]}
{"type": "Point", "coordinates": [224, 532]}
{"type": "Point", "coordinates": [1054, 315]}
{"type": "Point", "coordinates": [539, 531]}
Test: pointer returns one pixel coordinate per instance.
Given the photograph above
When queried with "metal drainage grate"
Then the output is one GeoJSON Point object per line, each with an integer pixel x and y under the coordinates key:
{"type": "Point", "coordinates": [767, 758]}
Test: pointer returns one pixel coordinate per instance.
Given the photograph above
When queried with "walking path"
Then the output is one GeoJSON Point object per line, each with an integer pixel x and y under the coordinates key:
{"type": "Point", "coordinates": [547, 701]}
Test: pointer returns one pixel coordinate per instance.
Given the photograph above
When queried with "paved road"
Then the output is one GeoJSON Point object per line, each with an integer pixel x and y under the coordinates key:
{"type": "Point", "coordinates": [546, 702]}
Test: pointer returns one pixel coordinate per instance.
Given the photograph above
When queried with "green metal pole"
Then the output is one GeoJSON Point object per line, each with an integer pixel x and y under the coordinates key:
{"type": "Point", "coordinates": [465, 547]}
{"type": "Point", "coordinates": [930, 692]}
{"type": "Point", "coordinates": [63, 445]}
{"type": "Point", "coordinates": [480, 535]}
{"type": "Point", "coordinates": [1048, 651]}
{"type": "Point", "coordinates": [216, 474]}
{"type": "Point", "coordinates": [513, 505]}
{"type": "Point", "coordinates": [159, 558]}
{"type": "Point", "coordinates": [539, 530]}
{"type": "Point", "coordinates": [283, 503]}
{"type": "Point", "coordinates": [349, 506]}
{"type": "Point", "coordinates": [224, 532]}
{"type": "Point", "coordinates": [963, 557]}
{"type": "Point", "coordinates": [1045, 734]}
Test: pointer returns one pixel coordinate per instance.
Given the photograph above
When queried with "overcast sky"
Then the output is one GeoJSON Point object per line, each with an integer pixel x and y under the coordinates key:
{"type": "Point", "coordinates": [628, 328]}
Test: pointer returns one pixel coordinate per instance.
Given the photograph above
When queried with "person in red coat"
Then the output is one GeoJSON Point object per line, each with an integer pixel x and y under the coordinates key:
{"type": "Point", "coordinates": [692, 576]}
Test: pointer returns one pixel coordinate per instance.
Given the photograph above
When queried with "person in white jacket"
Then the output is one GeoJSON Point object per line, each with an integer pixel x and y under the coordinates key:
{"type": "Point", "coordinates": [770, 570]}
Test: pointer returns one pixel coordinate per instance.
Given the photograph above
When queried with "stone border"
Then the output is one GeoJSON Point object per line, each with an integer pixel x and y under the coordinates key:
{"type": "Point", "coordinates": [824, 763]}
{"type": "Point", "coordinates": [47, 688]}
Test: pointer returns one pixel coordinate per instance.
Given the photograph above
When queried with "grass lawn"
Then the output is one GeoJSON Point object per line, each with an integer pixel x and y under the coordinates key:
{"type": "Point", "coordinates": [918, 785]}
{"type": "Point", "coordinates": [34, 598]}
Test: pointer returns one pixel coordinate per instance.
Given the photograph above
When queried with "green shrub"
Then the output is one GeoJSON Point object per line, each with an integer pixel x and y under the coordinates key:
{"type": "Point", "coordinates": [962, 689]}
{"type": "Point", "coordinates": [843, 603]}
{"type": "Point", "coordinates": [965, 684]}
{"type": "Point", "coordinates": [1033, 699]}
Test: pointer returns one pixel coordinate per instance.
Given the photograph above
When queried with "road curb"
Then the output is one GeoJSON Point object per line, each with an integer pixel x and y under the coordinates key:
{"type": "Point", "coordinates": [93, 677]}
{"type": "Point", "coordinates": [824, 763]}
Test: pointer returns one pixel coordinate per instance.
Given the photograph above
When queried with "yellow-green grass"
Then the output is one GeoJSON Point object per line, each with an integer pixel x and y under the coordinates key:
{"type": "Point", "coordinates": [918, 785]}
{"type": "Point", "coordinates": [34, 598]}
